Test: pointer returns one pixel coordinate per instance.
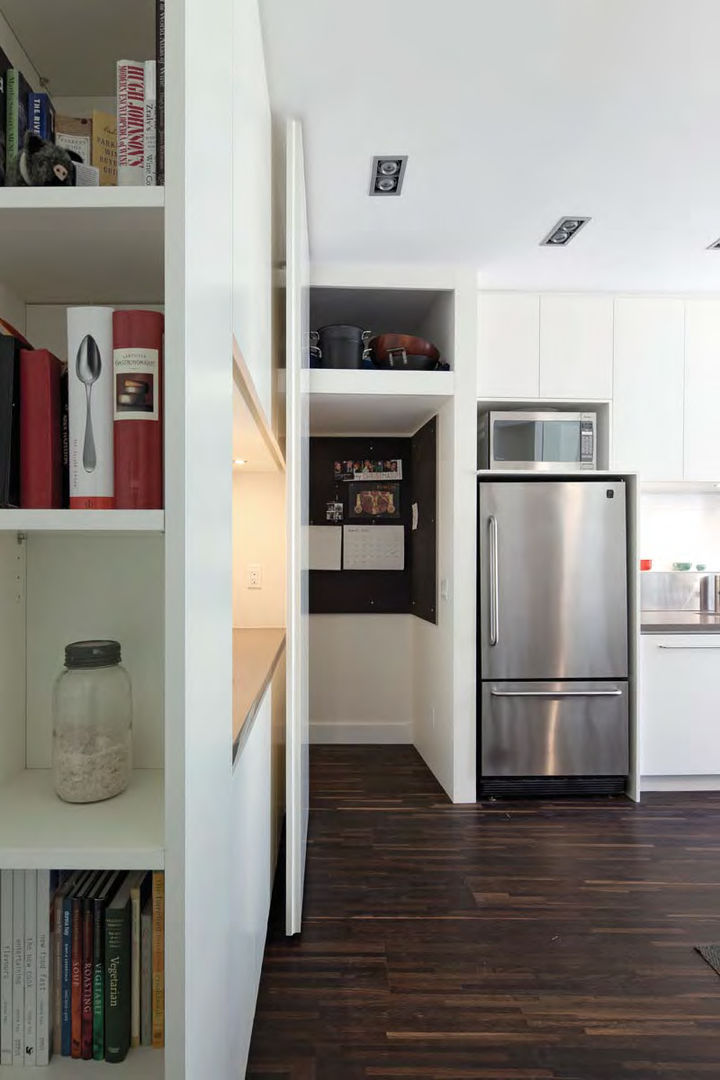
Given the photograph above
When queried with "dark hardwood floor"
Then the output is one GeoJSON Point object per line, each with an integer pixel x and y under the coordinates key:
{"type": "Point", "coordinates": [504, 941]}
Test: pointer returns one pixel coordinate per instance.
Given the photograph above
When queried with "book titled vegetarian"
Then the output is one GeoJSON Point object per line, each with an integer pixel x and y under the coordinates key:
{"type": "Point", "coordinates": [138, 388]}
{"type": "Point", "coordinates": [90, 399]}
{"type": "Point", "coordinates": [104, 147]}
{"type": "Point", "coordinates": [117, 974]}
{"type": "Point", "coordinates": [103, 895]}
{"type": "Point", "coordinates": [41, 463]}
{"type": "Point", "coordinates": [6, 965]}
{"type": "Point", "coordinates": [130, 122]}
{"type": "Point", "coordinates": [41, 115]}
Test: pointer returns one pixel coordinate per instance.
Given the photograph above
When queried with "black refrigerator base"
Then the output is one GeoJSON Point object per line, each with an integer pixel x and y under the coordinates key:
{"type": "Point", "coordinates": [548, 787]}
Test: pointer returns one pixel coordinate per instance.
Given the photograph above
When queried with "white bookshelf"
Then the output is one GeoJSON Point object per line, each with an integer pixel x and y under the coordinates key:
{"type": "Point", "coordinates": [140, 1064]}
{"type": "Point", "coordinates": [82, 521]}
{"type": "Point", "coordinates": [344, 402]}
{"type": "Point", "coordinates": [37, 830]}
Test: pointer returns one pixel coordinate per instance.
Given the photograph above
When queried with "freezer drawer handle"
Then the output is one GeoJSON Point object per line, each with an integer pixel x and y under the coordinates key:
{"type": "Point", "coordinates": [494, 581]}
{"type": "Point", "coordinates": [683, 648]}
{"type": "Point", "coordinates": [556, 693]}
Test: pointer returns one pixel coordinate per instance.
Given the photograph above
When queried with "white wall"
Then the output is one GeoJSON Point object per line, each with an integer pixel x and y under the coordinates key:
{"type": "Point", "coordinates": [680, 527]}
{"type": "Point", "coordinates": [361, 678]}
{"type": "Point", "coordinates": [259, 538]}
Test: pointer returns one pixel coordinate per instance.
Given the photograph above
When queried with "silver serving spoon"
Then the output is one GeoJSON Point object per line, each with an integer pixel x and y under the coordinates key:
{"type": "Point", "coordinates": [88, 367]}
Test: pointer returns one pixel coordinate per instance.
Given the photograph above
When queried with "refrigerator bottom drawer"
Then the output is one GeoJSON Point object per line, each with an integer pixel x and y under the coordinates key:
{"type": "Point", "coordinates": [554, 729]}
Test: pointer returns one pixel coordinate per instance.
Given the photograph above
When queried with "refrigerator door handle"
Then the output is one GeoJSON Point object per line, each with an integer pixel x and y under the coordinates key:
{"type": "Point", "coordinates": [494, 581]}
{"type": "Point", "coordinates": [556, 693]}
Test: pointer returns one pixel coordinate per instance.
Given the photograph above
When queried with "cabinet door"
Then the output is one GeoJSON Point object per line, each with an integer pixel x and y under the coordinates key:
{"type": "Point", "coordinates": [702, 389]}
{"type": "Point", "coordinates": [680, 705]}
{"type": "Point", "coordinates": [576, 347]}
{"type": "Point", "coordinates": [648, 388]}
{"type": "Point", "coordinates": [508, 345]}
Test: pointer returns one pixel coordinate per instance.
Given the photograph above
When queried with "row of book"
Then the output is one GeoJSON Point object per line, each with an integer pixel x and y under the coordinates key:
{"type": "Point", "coordinates": [82, 970]}
{"type": "Point", "coordinates": [88, 434]}
{"type": "Point", "coordinates": [126, 149]}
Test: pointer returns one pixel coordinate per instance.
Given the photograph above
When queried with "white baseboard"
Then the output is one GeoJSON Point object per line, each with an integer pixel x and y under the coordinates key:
{"type": "Point", "coordinates": [680, 783]}
{"type": "Point", "coordinates": [348, 732]}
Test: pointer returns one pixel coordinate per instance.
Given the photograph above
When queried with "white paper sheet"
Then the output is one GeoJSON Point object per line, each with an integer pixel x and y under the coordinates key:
{"type": "Point", "coordinates": [325, 543]}
{"type": "Point", "coordinates": [374, 547]}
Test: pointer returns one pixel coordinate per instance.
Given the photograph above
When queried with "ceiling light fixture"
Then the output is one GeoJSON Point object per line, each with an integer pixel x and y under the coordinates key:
{"type": "Point", "coordinates": [387, 175]}
{"type": "Point", "coordinates": [239, 461]}
{"type": "Point", "coordinates": [563, 232]}
{"type": "Point", "coordinates": [715, 246]}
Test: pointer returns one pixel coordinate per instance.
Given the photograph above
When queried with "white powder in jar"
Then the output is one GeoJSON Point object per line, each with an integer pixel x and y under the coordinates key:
{"type": "Point", "coordinates": [90, 766]}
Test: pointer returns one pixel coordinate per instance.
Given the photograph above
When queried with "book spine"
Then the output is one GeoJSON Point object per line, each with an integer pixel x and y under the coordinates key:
{"type": "Point", "coordinates": [57, 975]}
{"type": "Point", "coordinates": [9, 421]}
{"type": "Point", "coordinates": [11, 105]}
{"type": "Point", "coordinates": [146, 976]}
{"type": "Point", "coordinates": [64, 439]}
{"type": "Point", "coordinates": [40, 430]}
{"type": "Point", "coordinates": [30, 1008]}
{"type": "Point", "coordinates": [135, 966]}
{"type": "Point", "coordinates": [66, 980]}
{"type": "Point", "coordinates": [90, 403]}
{"type": "Point", "coordinates": [6, 965]}
{"type": "Point", "coordinates": [41, 116]}
{"type": "Point", "coordinates": [43, 1039]}
{"type": "Point", "coordinates": [99, 981]}
{"type": "Point", "coordinates": [138, 420]}
{"type": "Point", "coordinates": [150, 149]}
{"type": "Point", "coordinates": [76, 979]}
{"type": "Point", "coordinates": [158, 958]}
{"type": "Point", "coordinates": [130, 122]}
{"type": "Point", "coordinates": [117, 983]}
{"type": "Point", "coordinates": [87, 981]}
{"type": "Point", "coordinates": [4, 66]}
{"type": "Point", "coordinates": [160, 113]}
{"type": "Point", "coordinates": [18, 986]}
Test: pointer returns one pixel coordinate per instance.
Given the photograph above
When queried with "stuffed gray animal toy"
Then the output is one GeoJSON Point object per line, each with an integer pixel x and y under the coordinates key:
{"type": "Point", "coordinates": [41, 164]}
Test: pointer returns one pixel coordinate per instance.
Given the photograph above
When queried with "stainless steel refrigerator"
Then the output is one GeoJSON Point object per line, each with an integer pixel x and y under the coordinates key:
{"type": "Point", "coordinates": [553, 636]}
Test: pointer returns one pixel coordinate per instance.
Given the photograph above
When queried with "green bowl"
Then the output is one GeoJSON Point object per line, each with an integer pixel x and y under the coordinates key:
{"type": "Point", "coordinates": [682, 566]}
{"type": "Point", "coordinates": [701, 566]}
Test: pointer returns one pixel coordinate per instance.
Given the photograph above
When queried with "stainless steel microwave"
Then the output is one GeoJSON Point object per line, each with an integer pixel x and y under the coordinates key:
{"type": "Point", "coordinates": [542, 441]}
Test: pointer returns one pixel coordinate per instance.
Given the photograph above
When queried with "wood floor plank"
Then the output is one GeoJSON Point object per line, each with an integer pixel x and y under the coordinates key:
{"type": "Point", "coordinates": [505, 941]}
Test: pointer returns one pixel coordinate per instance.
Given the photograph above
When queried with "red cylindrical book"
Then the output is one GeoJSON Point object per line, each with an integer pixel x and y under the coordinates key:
{"type": "Point", "coordinates": [138, 392]}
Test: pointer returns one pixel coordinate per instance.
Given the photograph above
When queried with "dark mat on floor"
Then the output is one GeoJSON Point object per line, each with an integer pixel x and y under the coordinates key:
{"type": "Point", "coordinates": [710, 953]}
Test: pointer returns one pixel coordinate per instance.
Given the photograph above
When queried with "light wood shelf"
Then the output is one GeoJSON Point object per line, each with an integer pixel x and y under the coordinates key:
{"type": "Point", "coordinates": [38, 830]}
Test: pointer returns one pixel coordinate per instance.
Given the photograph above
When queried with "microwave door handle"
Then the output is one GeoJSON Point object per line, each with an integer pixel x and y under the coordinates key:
{"type": "Point", "coordinates": [494, 580]}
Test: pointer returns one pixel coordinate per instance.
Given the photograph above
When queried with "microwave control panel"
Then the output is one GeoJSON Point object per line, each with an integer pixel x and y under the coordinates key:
{"type": "Point", "coordinates": [587, 443]}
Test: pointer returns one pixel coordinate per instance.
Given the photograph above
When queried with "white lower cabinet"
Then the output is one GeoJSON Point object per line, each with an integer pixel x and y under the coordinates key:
{"type": "Point", "coordinates": [680, 705]}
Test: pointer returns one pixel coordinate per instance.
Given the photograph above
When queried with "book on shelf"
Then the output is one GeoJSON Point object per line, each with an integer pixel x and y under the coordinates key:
{"type": "Point", "coordinates": [66, 979]}
{"type": "Point", "coordinates": [9, 420]}
{"type": "Point", "coordinates": [16, 113]}
{"type": "Point", "coordinates": [18, 982]}
{"type": "Point", "coordinates": [41, 464]}
{"type": "Point", "coordinates": [140, 891]}
{"type": "Point", "coordinates": [117, 974]}
{"type": "Point", "coordinates": [150, 140]}
{"type": "Point", "coordinates": [29, 964]}
{"type": "Point", "coordinates": [158, 959]}
{"type": "Point", "coordinates": [104, 147]}
{"type": "Point", "coordinates": [4, 68]}
{"type": "Point", "coordinates": [76, 964]}
{"type": "Point", "coordinates": [130, 122]}
{"type": "Point", "coordinates": [46, 885]}
{"type": "Point", "coordinates": [138, 421]}
{"type": "Point", "coordinates": [160, 58]}
{"type": "Point", "coordinates": [75, 133]}
{"type": "Point", "coordinates": [102, 897]}
{"type": "Point", "coordinates": [41, 115]}
{"type": "Point", "coordinates": [57, 972]}
{"type": "Point", "coordinates": [146, 924]}
{"type": "Point", "coordinates": [88, 958]}
{"type": "Point", "coordinates": [6, 966]}
{"type": "Point", "coordinates": [90, 402]}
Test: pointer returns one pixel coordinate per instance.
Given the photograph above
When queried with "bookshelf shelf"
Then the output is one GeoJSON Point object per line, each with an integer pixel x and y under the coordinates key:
{"type": "Point", "coordinates": [82, 521]}
{"type": "Point", "coordinates": [56, 244]}
{"type": "Point", "coordinates": [38, 830]}
{"type": "Point", "coordinates": [142, 1064]}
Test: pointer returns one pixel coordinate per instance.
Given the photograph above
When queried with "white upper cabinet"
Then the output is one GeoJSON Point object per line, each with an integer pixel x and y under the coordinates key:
{"type": "Point", "coordinates": [702, 387]}
{"type": "Point", "coordinates": [508, 345]}
{"type": "Point", "coordinates": [648, 388]}
{"type": "Point", "coordinates": [576, 347]}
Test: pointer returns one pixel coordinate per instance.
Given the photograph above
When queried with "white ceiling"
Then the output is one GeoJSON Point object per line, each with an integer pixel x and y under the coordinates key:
{"type": "Point", "coordinates": [513, 113]}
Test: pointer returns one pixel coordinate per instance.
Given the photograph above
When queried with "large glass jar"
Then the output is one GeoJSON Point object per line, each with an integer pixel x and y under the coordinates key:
{"type": "Point", "coordinates": [92, 723]}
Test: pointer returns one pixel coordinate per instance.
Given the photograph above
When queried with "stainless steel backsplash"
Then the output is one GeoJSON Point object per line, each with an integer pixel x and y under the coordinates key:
{"type": "Point", "coordinates": [678, 591]}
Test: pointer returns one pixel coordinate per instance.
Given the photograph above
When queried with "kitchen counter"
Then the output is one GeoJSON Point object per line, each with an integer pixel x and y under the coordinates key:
{"type": "Point", "coordinates": [256, 652]}
{"type": "Point", "coordinates": [679, 622]}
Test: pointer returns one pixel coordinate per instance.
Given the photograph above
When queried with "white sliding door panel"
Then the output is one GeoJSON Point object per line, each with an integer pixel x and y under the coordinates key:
{"type": "Point", "coordinates": [297, 455]}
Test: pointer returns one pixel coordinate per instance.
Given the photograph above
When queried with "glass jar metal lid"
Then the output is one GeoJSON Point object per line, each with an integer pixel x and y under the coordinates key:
{"type": "Point", "coordinates": [91, 654]}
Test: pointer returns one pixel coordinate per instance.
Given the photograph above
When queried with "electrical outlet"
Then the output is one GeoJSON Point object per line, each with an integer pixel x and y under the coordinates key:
{"type": "Point", "coordinates": [254, 576]}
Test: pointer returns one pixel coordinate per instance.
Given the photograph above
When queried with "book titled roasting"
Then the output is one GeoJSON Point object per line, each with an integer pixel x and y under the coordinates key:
{"type": "Point", "coordinates": [130, 123]}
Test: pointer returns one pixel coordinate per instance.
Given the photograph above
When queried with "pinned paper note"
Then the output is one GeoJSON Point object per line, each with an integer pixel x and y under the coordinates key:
{"type": "Point", "coordinates": [415, 517]}
{"type": "Point", "coordinates": [325, 543]}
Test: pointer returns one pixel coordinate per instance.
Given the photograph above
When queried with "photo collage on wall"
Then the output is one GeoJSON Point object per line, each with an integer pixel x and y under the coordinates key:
{"type": "Point", "coordinates": [373, 491]}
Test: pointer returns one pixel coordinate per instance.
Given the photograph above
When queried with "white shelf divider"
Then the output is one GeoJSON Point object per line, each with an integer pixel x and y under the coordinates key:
{"type": "Point", "coordinates": [381, 382]}
{"type": "Point", "coordinates": [82, 521]}
{"type": "Point", "coordinates": [38, 831]}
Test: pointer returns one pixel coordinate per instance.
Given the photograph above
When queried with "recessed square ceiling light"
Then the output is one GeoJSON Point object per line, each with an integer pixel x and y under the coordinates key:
{"type": "Point", "coordinates": [387, 174]}
{"type": "Point", "coordinates": [715, 246]}
{"type": "Point", "coordinates": [562, 233]}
